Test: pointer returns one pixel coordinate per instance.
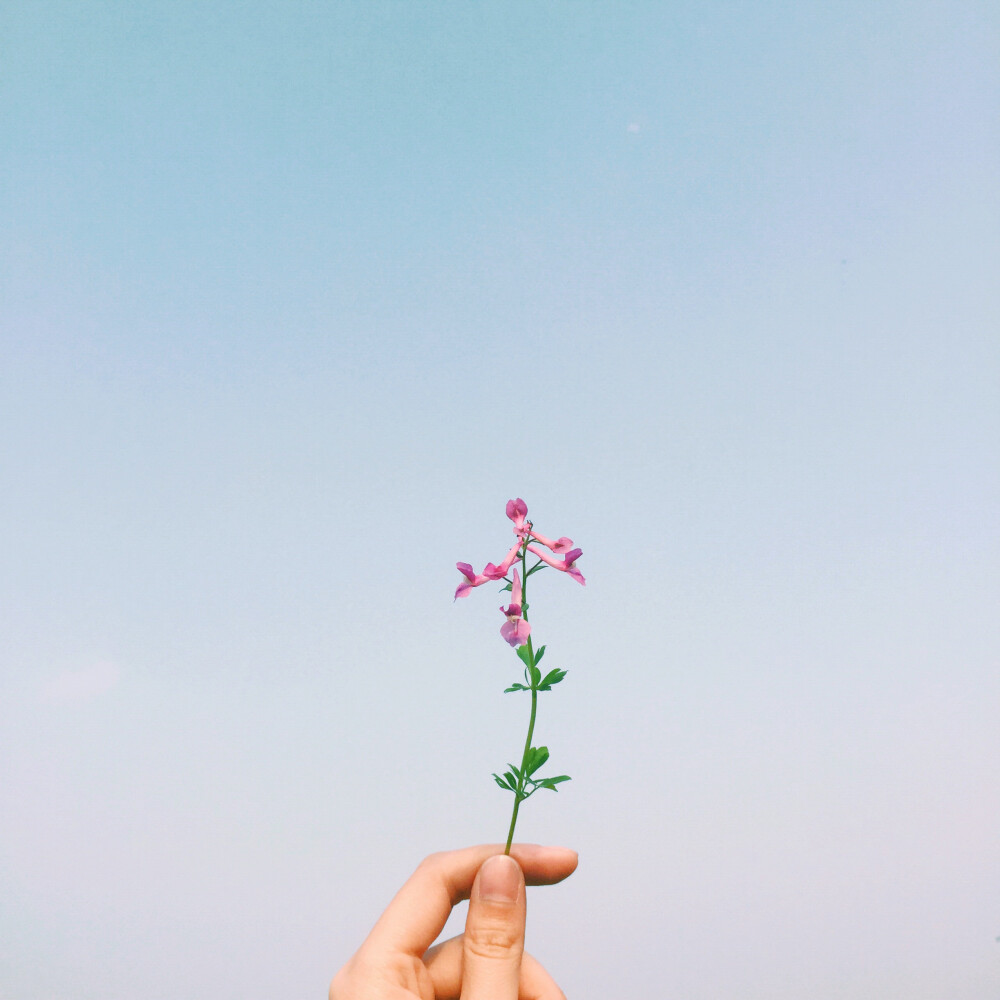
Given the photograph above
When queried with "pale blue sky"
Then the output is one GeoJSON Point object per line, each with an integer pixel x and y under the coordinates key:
{"type": "Point", "coordinates": [295, 296]}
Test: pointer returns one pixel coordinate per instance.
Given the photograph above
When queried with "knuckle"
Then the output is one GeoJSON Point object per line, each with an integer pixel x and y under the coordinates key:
{"type": "Point", "coordinates": [432, 862]}
{"type": "Point", "coordinates": [492, 940]}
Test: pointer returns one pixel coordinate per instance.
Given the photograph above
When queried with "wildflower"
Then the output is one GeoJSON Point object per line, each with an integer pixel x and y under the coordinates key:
{"type": "Point", "coordinates": [471, 580]}
{"type": "Point", "coordinates": [566, 565]}
{"type": "Point", "coordinates": [515, 630]}
{"type": "Point", "coordinates": [562, 545]}
{"type": "Point", "coordinates": [492, 572]}
{"type": "Point", "coordinates": [517, 511]}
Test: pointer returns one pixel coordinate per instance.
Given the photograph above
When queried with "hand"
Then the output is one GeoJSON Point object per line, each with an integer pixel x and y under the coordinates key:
{"type": "Point", "coordinates": [487, 961]}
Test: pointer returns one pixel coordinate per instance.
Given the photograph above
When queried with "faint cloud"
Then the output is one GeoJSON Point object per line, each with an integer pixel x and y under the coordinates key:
{"type": "Point", "coordinates": [633, 127]}
{"type": "Point", "coordinates": [83, 684]}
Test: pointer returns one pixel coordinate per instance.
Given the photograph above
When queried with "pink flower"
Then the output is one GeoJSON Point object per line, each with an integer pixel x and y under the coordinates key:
{"type": "Point", "coordinates": [566, 565]}
{"type": "Point", "coordinates": [471, 580]}
{"type": "Point", "coordinates": [492, 572]}
{"type": "Point", "coordinates": [515, 630]}
{"type": "Point", "coordinates": [562, 545]}
{"type": "Point", "coordinates": [517, 511]}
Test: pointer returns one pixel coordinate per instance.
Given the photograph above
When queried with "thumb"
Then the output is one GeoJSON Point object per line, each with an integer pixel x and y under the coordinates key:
{"type": "Point", "coordinates": [494, 932]}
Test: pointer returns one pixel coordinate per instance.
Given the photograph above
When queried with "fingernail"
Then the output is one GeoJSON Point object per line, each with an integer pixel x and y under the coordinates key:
{"type": "Point", "coordinates": [499, 879]}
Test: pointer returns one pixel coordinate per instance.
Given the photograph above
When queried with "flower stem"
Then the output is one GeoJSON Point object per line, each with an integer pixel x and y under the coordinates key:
{"type": "Point", "coordinates": [519, 795]}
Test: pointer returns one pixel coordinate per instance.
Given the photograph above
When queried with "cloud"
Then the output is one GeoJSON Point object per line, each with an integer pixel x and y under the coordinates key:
{"type": "Point", "coordinates": [633, 126]}
{"type": "Point", "coordinates": [83, 684]}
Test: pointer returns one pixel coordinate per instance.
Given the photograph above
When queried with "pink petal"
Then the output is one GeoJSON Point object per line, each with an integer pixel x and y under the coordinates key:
{"type": "Point", "coordinates": [564, 565]}
{"type": "Point", "coordinates": [562, 545]}
{"type": "Point", "coordinates": [516, 632]}
{"type": "Point", "coordinates": [464, 589]}
{"type": "Point", "coordinates": [517, 509]}
{"type": "Point", "coordinates": [546, 558]}
{"type": "Point", "coordinates": [471, 580]}
{"type": "Point", "coordinates": [571, 557]}
{"type": "Point", "coordinates": [492, 572]}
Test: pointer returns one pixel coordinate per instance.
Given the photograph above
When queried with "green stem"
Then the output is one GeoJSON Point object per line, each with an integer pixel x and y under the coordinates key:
{"type": "Point", "coordinates": [513, 820]}
{"type": "Point", "coordinates": [519, 795]}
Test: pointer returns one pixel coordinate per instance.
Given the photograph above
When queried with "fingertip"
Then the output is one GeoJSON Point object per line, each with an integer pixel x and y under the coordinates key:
{"type": "Point", "coordinates": [500, 880]}
{"type": "Point", "coordinates": [545, 865]}
{"type": "Point", "coordinates": [539, 849]}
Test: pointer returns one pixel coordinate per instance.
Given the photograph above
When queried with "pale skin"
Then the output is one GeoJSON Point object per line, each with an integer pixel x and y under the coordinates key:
{"type": "Point", "coordinates": [488, 961]}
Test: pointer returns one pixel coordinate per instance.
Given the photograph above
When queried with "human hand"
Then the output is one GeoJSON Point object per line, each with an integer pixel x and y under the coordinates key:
{"type": "Point", "coordinates": [487, 962]}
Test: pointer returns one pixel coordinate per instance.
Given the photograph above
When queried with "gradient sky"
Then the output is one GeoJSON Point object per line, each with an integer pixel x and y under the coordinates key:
{"type": "Point", "coordinates": [294, 296]}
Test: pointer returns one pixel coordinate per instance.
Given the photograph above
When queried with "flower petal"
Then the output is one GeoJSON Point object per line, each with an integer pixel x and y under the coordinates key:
{"type": "Point", "coordinates": [517, 509]}
{"type": "Point", "coordinates": [492, 572]}
{"type": "Point", "coordinates": [515, 632]}
{"type": "Point", "coordinates": [561, 545]}
{"type": "Point", "coordinates": [564, 565]}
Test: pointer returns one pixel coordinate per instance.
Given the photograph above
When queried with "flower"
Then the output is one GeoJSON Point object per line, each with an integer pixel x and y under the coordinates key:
{"type": "Point", "coordinates": [515, 630]}
{"type": "Point", "coordinates": [492, 572]}
{"type": "Point", "coordinates": [517, 511]}
{"type": "Point", "coordinates": [566, 565]}
{"type": "Point", "coordinates": [564, 544]}
{"type": "Point", "coordinates": [471, 580]}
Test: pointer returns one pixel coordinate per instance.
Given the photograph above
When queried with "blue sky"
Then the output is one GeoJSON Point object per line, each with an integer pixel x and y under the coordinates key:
{"type": "Point", "coordinates": [295, 296]}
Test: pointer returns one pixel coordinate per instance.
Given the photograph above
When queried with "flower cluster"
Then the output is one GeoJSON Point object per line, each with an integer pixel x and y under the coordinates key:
{"type": "Point", "coordinates": [516, 628]}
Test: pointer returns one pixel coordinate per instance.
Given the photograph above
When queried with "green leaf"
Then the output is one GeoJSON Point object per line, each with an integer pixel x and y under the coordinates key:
{"type": "Point", "coordinates": [515, 687]}
{"type": "Point", "coordinates": [503, 784]}
{"type": "Point", "coordinates": [516, 771]}
{"type": "Point", "coordinates": [538, 565]}
{"type": "Point", "coordinates": [539, 653]}
{"type": "Point", "coordinates": [537, 756]}
{"type": "Point", "coordinates": [506, 589]}
{"type": "Point", "coordinates": [524, 654]}
{"type": "Point", "coordinates": [536, 675]}
{"type": "Point", "coordinates": [552, 677]}
{"type": "Point", "coordinates": [552, 782]}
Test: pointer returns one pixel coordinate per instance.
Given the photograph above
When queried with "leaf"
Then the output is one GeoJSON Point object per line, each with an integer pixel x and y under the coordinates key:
{"type": "Point", "coordinates": [524, 654]}
{"type": "Point", "coordinates": [511, 781]}
{"type": "Point", "coordinates": [539, 653]}
{"type": "Point", "coordinates": [552, 782]}
{"type": "Point", "coordinates": [516, 771]}
{"type": "Point", "coordinates": [538, 565]}
{"type": "Point", "coordinates": [503, 784]}
{"type": "Point", "coordinates": [506, 589]}
{"type": "Point", "coordinates": [536, 675]}
{"type": "Point", "coordinates": [552, 677]}
{"type": "Point", "coordinates": [537, 756]}
{"type": "Point", "coordinates": [515, 687]}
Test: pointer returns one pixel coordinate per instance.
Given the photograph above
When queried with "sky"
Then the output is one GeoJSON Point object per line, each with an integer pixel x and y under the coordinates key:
{"type": "Point", "coordinates": [294, 297]}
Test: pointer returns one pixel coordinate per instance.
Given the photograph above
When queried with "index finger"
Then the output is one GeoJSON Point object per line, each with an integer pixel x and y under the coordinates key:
{"type": "Point", "coordinates": [419, 911]}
